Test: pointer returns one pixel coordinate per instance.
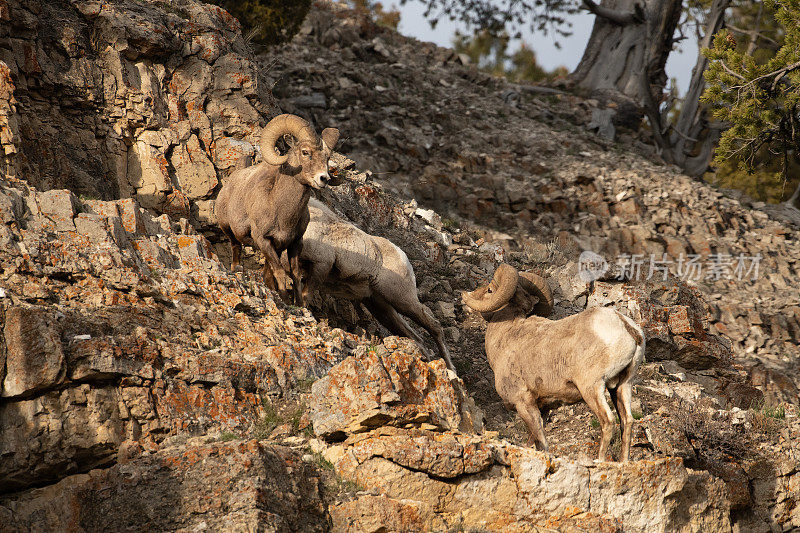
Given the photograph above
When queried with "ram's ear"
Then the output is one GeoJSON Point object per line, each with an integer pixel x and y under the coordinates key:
{"type": "Point", "coordinates": [331, 137]}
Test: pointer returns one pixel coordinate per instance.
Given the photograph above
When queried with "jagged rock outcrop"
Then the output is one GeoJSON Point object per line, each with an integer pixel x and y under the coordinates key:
{"type": "Point", "coordinates": [120, 326]}
{"type": "Point", "coordinates": [454, 481]}
{"type": "Point", "coordinates": [196, 486]}
{"type": "Point", "coordinates": [145, 99]}
{"type": "Point", "coordinates": [374, 387]}
{"type": "Point", "coordinates": [422, 476]}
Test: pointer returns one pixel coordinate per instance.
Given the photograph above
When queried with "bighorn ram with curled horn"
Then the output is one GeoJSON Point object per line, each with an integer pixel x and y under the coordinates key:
{"type": "Point", "coordinates": [540, 364]}
{"type": "Point", "coordinates": [353, 264]}
{"type": "Point", "coordinates": [266, 205]}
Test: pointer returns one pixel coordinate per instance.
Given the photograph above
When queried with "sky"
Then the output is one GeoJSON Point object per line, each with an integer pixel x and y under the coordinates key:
{"type": "Point", "coordinates": [412, 23]}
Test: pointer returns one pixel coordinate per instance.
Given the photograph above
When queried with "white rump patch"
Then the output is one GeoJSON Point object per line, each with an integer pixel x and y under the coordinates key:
{"type": "Point", "coordinates": [606, 326]}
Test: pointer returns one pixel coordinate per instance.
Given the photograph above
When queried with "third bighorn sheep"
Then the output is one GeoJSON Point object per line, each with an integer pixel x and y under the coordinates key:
{"type": "Point", "coordinates": [266, 205]}
{"type": "Point", "coordinates": [540, 364]}
{"type": "Point", "coordinates": [358, 266]}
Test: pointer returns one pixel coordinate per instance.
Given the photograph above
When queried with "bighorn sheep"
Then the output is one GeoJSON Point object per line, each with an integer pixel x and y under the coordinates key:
{"type": "Point", "coordinates": [540, 364]}
{"type": "Point", "coordinates": [355, 265]}
{"type": "Point", "coordinates": [266, 205]}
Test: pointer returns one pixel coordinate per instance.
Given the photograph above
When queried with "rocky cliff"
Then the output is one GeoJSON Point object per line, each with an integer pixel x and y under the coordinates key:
{"type": "Point", "coordinates": [152, 100]}
{"type": "Point", "coordinates": [144, 386]}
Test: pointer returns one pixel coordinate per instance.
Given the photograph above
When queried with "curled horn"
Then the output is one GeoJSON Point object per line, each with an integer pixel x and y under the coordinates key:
{"type": "Point", "coordinates": [282, 124]}
{"type": "Point", "coordinates": [497, 294]}
{"type": "Point", "coordinates": [537, 286]}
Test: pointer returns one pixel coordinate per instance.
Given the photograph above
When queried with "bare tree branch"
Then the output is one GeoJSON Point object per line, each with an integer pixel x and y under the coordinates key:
{"type": "Point", "coordinates": [729, 71]}
{"type": "Point", "coordinates": [617, 17]}
{"type": "Point", "coordinates": [751, 33]}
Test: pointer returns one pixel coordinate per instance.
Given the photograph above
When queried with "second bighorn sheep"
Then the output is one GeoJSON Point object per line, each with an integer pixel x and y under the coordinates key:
{"type": "Point", "coordinates": [353, 264]}
{"type": "Point", "coordinates": [266, 205]}
{"type": "Point", "coordinates": [540, 364]}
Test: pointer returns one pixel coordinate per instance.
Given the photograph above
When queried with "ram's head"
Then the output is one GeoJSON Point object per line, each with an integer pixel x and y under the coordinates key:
{"type": "Point", "coordinates": [308, 154]}
{"type": "Point", "coordinates": [529, 293]}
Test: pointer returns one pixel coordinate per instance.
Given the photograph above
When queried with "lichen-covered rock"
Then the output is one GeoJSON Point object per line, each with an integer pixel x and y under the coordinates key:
{"type": "Point", "coordinates": [200, 485]}
{"type": "Point", "coordinates": [371, 513]}
{"type": "Point", "coordinates": [34, 359]}
{"type": "Point", "coordinates": [118, 99]}
{"type": "Point", "coordinates": [424, 480]}
{"type": "Point", "coordinates": [390, 385]}
{"type": "Point", "coordinates": [118, 325]}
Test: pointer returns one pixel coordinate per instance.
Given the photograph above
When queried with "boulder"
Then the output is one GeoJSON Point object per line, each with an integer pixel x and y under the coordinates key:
{"type": "Point", "coordinates": [33, 352]}
{"type": "Point", "coordinates": [390, 385]}
{"type": "Point", "coordinates": [200, 485]}
{"type": "Point", "coordinates": [424, 478]}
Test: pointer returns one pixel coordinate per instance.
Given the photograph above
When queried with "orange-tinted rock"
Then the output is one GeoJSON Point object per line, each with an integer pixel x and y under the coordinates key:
{"type": "Point", "coordinates": [240, 485]}
{"type": "Point", "coordinates": [34, 357]}
{"type": "Point", "coordinates": [390, 385]}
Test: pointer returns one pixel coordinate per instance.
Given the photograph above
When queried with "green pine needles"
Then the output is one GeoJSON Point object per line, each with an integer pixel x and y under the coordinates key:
{"type": "Point", "coordinates": [758, 99]}
{"type": "Point", "coordinates": [268, 22]}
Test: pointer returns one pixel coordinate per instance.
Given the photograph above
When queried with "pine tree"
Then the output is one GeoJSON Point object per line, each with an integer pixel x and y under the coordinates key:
{"type": "Point", "coordinates": [759, 96]}
{"type": "Point", "coordinates": [268, 22]}
{"type": "Point", "coordinates": [489, 52]}
{"type": "Point", "coordinates": [383, 16]}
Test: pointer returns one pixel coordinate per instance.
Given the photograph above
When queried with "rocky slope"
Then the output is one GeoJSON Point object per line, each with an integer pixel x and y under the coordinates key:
{"type": "Point", "coordinates": [142, 384]}
{"type": "Point", "coordinates": [492, 155]}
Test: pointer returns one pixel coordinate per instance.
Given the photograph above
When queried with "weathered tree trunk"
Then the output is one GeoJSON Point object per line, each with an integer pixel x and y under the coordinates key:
{"type": "Point", "coordinates": [693, 137]}
{"type": "Point", "coordinates": [794, 200]}
{"type": "Point", "coordinates": [628, 49]}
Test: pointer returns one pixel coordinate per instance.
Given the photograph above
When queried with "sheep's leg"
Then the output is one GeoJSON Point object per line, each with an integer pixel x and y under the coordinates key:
{"type": "Point", "coordinates": [422, 316]}
{"type": "Point", "coordinates": [622, 396]}
{"type": "Point", "coordinates": [236, 249]}
{"type": "Point", "coordinates": [236, 254]}
{"type": "Point", "coordinates": [306, 273]}
{"type": "Point", "coordinates": [316, 273]}
{"type": "Point", "coordinates": [384, 313]}
{"type": "Point", "coordinates": [595, 398]}
{"type": "Point", "coordinates": [533, 419]}
{"type": "Point", "coordinates": [274, 275]}
{"type": "Point", "coordinates": [293, 254]}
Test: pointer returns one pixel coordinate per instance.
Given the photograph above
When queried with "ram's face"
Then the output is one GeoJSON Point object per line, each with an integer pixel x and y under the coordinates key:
{"type": "Point", "coordinates": [311, 160]}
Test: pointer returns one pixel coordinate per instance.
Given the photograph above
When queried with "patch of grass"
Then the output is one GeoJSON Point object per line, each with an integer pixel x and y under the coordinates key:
{"type": "Point", "coordinates": [83, 197]}
{"type": "Point", "coordinates": [296, 417]}
{"type": "Point", "coordinates": [228, 436]}
{"type": "Point", "coordinates": [334, 483]}
{"type": "Point", "coordinates": [322, 463]}
{"type": "Point", "coordinates": [450, 224]}
{"type": "Point", "coordinates": [767, 419]}
{"type": "Point", "coordinates": [304, 385]}
{"type": "Point", "coordinates": [271, 419]}
{"type": "Point", "coordinates": [595, 423]}
{"type": "Point", "coordinates": [772, 411]}
{"type": "Point", "coordinates": [636, 415]}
